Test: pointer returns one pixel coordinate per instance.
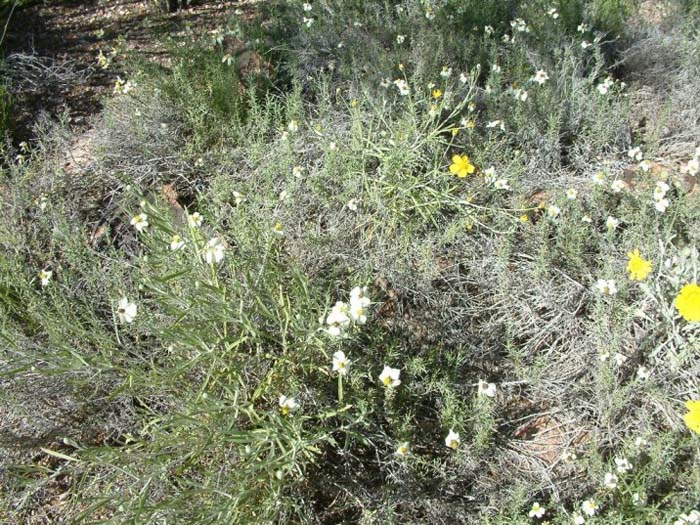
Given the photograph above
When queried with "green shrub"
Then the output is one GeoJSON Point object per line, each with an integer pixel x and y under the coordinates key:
{"type": "Point", "coordinates": [328, 180]}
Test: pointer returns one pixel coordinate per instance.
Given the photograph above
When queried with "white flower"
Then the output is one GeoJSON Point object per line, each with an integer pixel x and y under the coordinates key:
{"type": "Point", "coordinates": [636, 498]}
{"type": "Point", "coordinates": [400, 39]}
{"type": "Point", "coordinates": [578, 519]}
{"type": "Point", "coordinates": [645, 166]}
{"type": "Point", "coordinates": [338, 319]}
{"type": "Point", "coordinates": [278, 229]}
{"type": "Point", "coordinates": [402, 86]}
{"type": "Point", "coordinates": [176, 242]}
{"type": "Point", "coordinates": [519, 25]}
{"type": "Point", "coordinates": [496, 68]}
{"type": "Point", "coordinates": [501, 184]}
{"type": "Point", "coordinates": [446, 72]}
{"type": "Point", "coordinates": [390, 377]}
{"type": "Point", "coordinates": [452, 440]}
{"type": "Point", "coordinates": [463, 78]}
{"type": "Point", "coordinates": [611, 223]}
{"type": "Point", "coordinates": [307, 21]}
{"type": "Point", "coordinates": [586, 219]}
{"type": "Point", "coordinates": [660, 190]}
{"type": "Point", "coordinates": [488, 30]}
{"type": "Point", "coordinates": [540, 77]}
{"type": "Point", "coordinates": [606, 287]}
{"type": "Point", "coordinates": [553, 13]}
{"type": "Point", "coordinates": [45, 277]}
{"type": "Point", "coordinates": [340, 363]}
{"type": "Point", "coordinates": [486, 389]}
{"type": "Point", "coordinates": [643, 373]}
{"type": "Point", "coordinates": [307, 7]}
{"type": "Point", "coordinates": [589, 507]}
{"type": "Point", "coordinates": [520, 94]}
{"type": "Point", "coordinates": [688, 519]}
{"type": "Point", "coordinates": [490, 174]}
{"type": "Point", "coordinates": [571, 194]}
{"type": "Point", "coordinates": [553, 211]}
{"type": "Point", "coordinates": [195, 220]}
{"type": "Point", "coordinates": [635, 153]}
{"type": "Point", "coordinates": [585, 44]}
{"type": "Point", "coordinates": [293, 126]}
{"type": "Point", "coordinates": [605, 85]}
{"type": "Point", "coordinates": [288, 405]}
{"type": "Point", "coordinates": [610, 480]}
{"type": "Point", "coordinates": [661, 205]}
{"type": "Point", "coordinates": [537, 510]}
{"type": "Point", "coordinates": [238, 197]}
{"type": "Point", "coordinates": [429, 13]}
{"type": "Point", "coordinates": [214, 251]}
{"type": "Point", "coordinates": [623, 465]}
{"type": "Point", "coordinates": [140, 222]}
{"type": "Point", "coordinates": [693, 166]}
{"type": "Point", "coordinates": [620, 358]}
{"type": "Point", "coordinates": [126, 311]}
{"type": "Point", "coordinates": [617, 185]}
{"type": "Point", "coordinates": [640, 443]}
{"type": "Point", "coordinates": [582, 28]}
{"type": "Point", "coordinates": [359, 301]}
{"type": "Point", "coordinates": [598, 178]}
{"type": "Point", "coordinates": [297, 171]}
{"type": "Point", "coordinates": [496, 124]}
{"type": "Point", "coordinates": [402, 450]}
{"type": "Point", "coordinates": [604, 357]}
{"type": "Point", "coordinates": [121, 87]}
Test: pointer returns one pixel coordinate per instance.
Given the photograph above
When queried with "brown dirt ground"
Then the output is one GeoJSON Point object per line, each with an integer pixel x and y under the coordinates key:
{"type": "Point", "coordinates": [70, 34]}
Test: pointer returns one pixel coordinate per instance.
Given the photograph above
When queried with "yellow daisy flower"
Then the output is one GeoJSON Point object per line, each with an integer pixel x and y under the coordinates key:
{"type": "Point", "coordinates": [638, 267]}
{"type": "Point", "coordinates": [688, 302]}
{"type": "Point", "coordinates": [461, 166]}
{"type": "Point", "coordinates": [692, 418]}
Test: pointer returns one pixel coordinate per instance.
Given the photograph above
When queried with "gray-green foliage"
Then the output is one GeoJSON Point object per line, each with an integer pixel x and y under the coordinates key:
{"type": "Point", "coordinates": [174, 418]}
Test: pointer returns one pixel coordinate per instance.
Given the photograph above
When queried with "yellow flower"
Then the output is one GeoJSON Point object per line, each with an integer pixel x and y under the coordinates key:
{"type": "Point", "coordinates": [688, 302]}
{"type": "Point", "coordinates": [437, 94]}
{"type": "Point", "coordinates": [524, 217]}
{"type": "Point", "coordinates": [638, 266]}
{"type": "Point", "coordinates": [471, 124]}
{"type": "Point", "coordinates": [692, 418]}
{"type": "Point", "coordinates": [461, 166]}
{"type": "Point", "coordinates": [455, 132]}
